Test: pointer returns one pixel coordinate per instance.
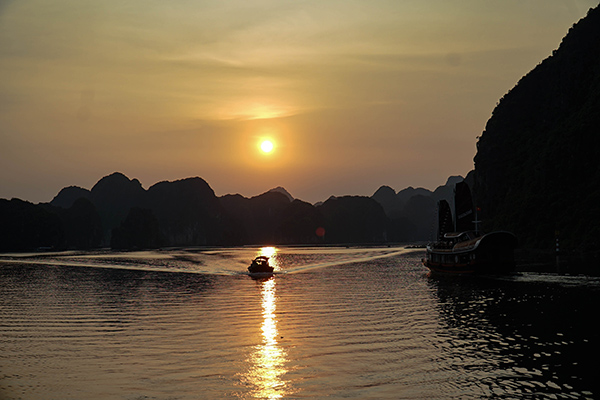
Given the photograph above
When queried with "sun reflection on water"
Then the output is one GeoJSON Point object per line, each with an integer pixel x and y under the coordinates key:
{"type": "Point", "coordinates": [271, 253]}
{"type": "Point", "coordinates": [268, 359]}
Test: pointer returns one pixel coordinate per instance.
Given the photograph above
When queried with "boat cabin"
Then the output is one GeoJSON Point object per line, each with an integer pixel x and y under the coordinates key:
{"type": "Point", "coordinates": [451, 239]}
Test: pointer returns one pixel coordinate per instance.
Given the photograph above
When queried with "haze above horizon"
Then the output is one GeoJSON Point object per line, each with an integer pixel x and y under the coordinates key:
{"type": "Point", "coordinates": [352, 95]}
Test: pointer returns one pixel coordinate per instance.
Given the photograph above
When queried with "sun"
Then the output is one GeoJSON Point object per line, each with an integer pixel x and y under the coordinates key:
{"type": "Point", "coordinates": [266, 146]}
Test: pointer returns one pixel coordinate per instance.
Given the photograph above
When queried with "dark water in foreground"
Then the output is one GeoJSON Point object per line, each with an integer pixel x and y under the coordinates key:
{"type": "Point", "coordinates": [332, 323]}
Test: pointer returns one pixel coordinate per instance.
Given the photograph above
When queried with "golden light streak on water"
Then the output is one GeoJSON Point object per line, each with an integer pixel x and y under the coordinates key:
{"type": "Point", "coordinates": [269, 359]}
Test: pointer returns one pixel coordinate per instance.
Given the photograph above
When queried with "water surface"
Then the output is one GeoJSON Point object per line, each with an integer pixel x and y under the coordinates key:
{"type": "Point", "coordinates": [331, 323]}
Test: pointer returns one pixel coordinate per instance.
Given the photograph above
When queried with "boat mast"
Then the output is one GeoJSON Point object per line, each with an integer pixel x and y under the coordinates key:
{"type": "Point", "coordinates": [476, 222]}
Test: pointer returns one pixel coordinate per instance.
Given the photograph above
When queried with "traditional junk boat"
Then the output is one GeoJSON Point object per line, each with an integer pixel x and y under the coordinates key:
{"type": "Point", "coordinates": [462, 250]}
{"type": "Point", "coordinates": [260, 265]}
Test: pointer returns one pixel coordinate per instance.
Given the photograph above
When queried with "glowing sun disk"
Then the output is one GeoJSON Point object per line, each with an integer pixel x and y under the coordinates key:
{"type": "Point", "coordinates": [266, 146]}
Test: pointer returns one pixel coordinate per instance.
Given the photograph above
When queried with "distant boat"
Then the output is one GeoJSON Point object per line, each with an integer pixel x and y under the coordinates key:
{"type": "Point", "coordinates": [260, 265]}
{"type": "Point", "coordinates": [460, 249]}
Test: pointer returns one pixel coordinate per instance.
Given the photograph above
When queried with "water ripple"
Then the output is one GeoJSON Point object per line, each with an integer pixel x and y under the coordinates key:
{"type": "Point", "coordinates": [370, 325]}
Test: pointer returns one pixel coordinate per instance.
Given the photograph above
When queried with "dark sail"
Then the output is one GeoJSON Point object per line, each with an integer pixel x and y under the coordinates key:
{"type": "Point", "coordinates": [445, 223]}
{"type": "Point", "coordinates": [463, 207]}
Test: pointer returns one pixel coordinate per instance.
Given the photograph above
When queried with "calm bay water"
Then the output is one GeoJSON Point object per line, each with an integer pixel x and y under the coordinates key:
{"type": "Point", "coordinates": [331, 323]}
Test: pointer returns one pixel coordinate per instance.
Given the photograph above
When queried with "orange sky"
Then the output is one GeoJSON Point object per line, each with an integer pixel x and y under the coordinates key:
{"type": "Point", "coordinates": [354, 94]}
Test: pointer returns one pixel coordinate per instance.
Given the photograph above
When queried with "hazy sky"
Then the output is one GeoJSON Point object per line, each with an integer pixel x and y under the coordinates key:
{"type": "Point", "coordinates": [354, 94]}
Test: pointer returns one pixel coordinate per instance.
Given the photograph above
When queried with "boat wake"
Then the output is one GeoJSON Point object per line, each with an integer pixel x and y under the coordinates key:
{"type": "Point", "coordinates": [229, 261]}
{"type": "Point", "coordinates": [354, 258]}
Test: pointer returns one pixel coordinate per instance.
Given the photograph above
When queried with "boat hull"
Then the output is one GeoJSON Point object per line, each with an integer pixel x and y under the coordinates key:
{"type": "Point", "coordinates": [489, 254]}
{"type": "Point", "coordinates": [263, 270]}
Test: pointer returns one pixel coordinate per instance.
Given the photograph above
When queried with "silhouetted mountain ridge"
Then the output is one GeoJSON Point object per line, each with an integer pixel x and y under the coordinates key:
{"type": "Point", "coordinates": [67, 196]}
{"type": "Point", "coordinates": [412, 211]}
{"type": "Point", "coordinates": [537, 165]}
{"type": "Point", "coordinates": [283, 191]}
{"type": "Point", "coordinates": [119, 212]}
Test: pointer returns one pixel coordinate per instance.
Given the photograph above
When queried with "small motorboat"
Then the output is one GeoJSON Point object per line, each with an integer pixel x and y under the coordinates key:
{"type": "Point", "coordinates": [260, 265]}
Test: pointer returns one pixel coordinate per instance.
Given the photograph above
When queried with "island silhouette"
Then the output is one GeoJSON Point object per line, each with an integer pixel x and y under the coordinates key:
{"type": "Point", "coordinates": [119, 213]}
{"type": "Point", "coordinates": [536, 173]}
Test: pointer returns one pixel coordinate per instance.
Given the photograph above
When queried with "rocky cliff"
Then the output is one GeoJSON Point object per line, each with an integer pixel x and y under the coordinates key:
{"type": "Point", "coordinates": [537, 167]}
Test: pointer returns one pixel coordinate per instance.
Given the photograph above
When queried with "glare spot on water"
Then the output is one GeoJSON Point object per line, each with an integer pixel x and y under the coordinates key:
{"type": "Point", "coordinates": [271, 253]}
{"type": "Point", "coordinates": [268, 251]}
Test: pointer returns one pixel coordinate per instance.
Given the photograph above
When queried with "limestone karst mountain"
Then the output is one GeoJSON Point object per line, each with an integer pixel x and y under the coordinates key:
{"type": "Point", "coordinates": [537, 167]}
